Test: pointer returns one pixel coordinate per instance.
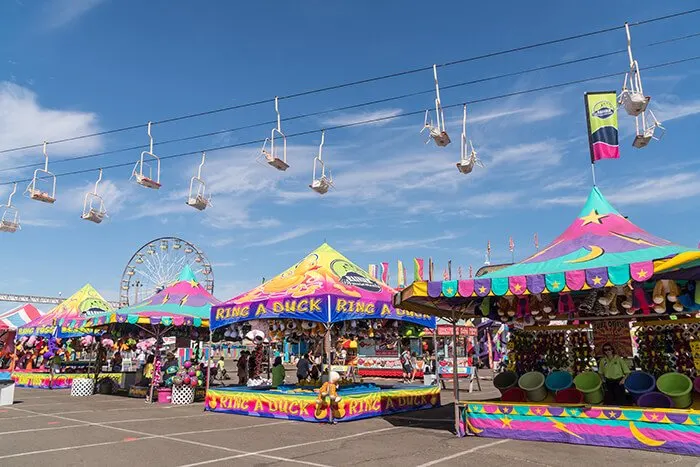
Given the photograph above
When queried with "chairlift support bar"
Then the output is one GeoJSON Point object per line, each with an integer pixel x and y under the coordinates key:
{"type": "Point", "coordinates": [438, 105]}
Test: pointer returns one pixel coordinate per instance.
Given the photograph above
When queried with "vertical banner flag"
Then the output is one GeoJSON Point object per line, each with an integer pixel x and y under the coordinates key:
{"type": "Point", "coordinates": [385, 273]}
{"type": "Point", "coordinates": [601, 116]}
{"type": "Point", "coordinates": [459, 273]}
{"type": "Point", "coordinates": [417, 269]}
{"type": "Point", "coordinates": [511, 244]}
{"type": "Point", "coordinates": [445, 275]}
{"type": "Point", "coordinates": [403, 268]}
{"type": "Point", "coordinates": [537, 242]}
{"type": "Point", "coordinates": [372, 270]}
{"type": "Point", "coordinates": [401, 275]}
{"type": "Point", "coordinates": [471, 272]}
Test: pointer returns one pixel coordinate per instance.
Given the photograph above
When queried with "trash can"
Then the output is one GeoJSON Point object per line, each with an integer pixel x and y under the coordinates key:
{"type": "Point", "coordinates": [7, 392]}
{"type": "Point", "coordinates": [82, 387]}
{"type": "Point", "coordinates": [428, 380]}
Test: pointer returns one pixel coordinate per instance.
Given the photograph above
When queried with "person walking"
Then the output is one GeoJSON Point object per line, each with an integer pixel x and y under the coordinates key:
{"type": "Point", "coordinates": [242, 368]}
{"type": "Point", "coordinates": [406, 365]}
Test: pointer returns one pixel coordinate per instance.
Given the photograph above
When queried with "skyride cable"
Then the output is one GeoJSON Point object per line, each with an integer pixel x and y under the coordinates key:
{"type": "Point", "coordinates": [369, 121]}
{"type": "Point", "coordinates": [350, 107]}
{"type": "Point", "coordinates": [355, 83]}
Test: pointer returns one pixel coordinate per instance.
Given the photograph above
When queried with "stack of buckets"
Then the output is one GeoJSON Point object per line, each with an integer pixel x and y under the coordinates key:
{"type": "Point", "coordinates": [590, 384]}
{"type": "Point", "coordinates": [507, 385]}
{"type": "Point", "coordinates": [560, 382]}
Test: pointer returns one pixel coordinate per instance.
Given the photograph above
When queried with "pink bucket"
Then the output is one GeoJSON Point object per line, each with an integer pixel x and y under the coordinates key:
{"type": "Point", "coordinates": [165, 395]}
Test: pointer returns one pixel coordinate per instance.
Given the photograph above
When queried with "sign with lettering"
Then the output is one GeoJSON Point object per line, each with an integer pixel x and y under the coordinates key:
{"type": "Point", "coordinates": [347, 308]}
{"type": "Point", "coordinates": [301, 405]}
{"type": "Point", "coordinates": [615, 333]}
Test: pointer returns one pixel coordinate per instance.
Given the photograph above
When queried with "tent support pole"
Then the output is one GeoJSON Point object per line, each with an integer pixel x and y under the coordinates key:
{"type": "Point", "coordinates": [209, 349]}
{"type": "Point", "coordinates": [155, 360]}
{"type": "Point", "coordinates": [455, 375]}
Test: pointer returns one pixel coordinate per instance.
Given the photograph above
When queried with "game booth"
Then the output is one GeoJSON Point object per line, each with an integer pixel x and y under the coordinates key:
{"type": "Point", "coordinates": [180, 310]}
{"type": "Point", "coordinates": [604, 282]}
{"type": "Point", "coordinates": [49, 349]}
{"type": "Point", "coordinates": [321, 293]}
{"type": "Point", "coordinates": [9, 322]}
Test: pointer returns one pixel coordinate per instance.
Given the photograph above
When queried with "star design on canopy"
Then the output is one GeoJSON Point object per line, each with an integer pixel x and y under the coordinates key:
{"type": "Point", "coordinates": [597, 280]}
{"type": "Point", "coordinates": [593, 218]}
{"type": "Point", "coordinates": [642, 273]}
{"type": "Point", "coordinates": [506, 422]}
{"type": "Point", "coordinates": [518, 287]}
{"type": "Point", "coordinates": [555, 284]}
{"type": "Point", "coordinates": [449, 290]}
{"type": "Point", "coordinates": [482, 289]}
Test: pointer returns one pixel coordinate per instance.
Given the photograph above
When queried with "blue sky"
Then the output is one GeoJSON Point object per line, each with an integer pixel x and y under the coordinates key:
{"type": "Point", "coordinates": [70, 67]}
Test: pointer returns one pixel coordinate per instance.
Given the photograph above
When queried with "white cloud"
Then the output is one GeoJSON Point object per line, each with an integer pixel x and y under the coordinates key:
{"type": "Point", "coordinates": [384, 116]}
{"type": "Point", "coordinates": [528, 157]}
{"type": "Point", "coordinates": [666, 111]}
{"type": "Point", "coordinates": [60, 13]}
{"type": "Point", "coordinates": [23, 121]}
{"type": "Point", "coordinates": [283, 237]}
{"type": "Point", "coordinates": [642, 191]}
{"type": "Point", "coordinates": [376, 246]}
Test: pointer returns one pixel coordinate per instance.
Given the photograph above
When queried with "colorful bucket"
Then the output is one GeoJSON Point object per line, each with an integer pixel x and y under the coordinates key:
{"type": "Point", "coordinates": [639, 383]}
{"type": "Point", "coordinates": [569, 396]}
{"type": "Point", "coordinates": [506, 380]}
{"type": "Point", "coordinates": [514, 395]}
{"type": "Point", "coordinates": [533, 385]}
{"type": "Point", "coordinates": [590, 384]}
{"type": "Point", "coordinates": [165, 395]}
{"type": "Point", "coordinates": [656, 400]}
{"type": "Point", "coordinates": [678, 387]}
{"type": "Point", "coordinates": [558, 381]}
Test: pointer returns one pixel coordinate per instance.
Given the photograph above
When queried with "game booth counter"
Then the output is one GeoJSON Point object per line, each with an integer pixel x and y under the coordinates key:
{"type": "Point", "coordinates": [599, 275]}
{"type": "Point", "coordinates": [52, 342]}
{"type": "Point", "coordinates": [324, 291]}
{"type": "Point", "coordinates": [180, 310]}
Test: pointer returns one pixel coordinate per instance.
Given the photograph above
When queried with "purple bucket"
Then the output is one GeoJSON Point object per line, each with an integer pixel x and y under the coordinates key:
{"type": "Point", "coordinates": [696, 384]}
{"type": "Point", "coordinates": [656, 400]}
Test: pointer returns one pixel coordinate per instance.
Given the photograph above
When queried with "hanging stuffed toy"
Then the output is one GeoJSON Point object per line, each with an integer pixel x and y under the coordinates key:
{"type": "Point", "coordinates": [329, 390]}
{"type": "Point", "coordinates": [666, 290]}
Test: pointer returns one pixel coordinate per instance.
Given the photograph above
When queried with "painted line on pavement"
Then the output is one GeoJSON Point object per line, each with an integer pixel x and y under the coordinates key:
{"type": "Point", "coordinates": [291, 446]}
{"type": "Point", "coordinates": [468, 451]}
{"type": "Point", "coordinates": [151, 435]}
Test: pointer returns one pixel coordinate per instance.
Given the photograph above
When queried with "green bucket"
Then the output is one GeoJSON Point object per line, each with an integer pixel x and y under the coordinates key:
{"type": "Point", "coordinates": [533, 385]}
{"type": "Point", "coordinates": [590, 384]}
{"type": "Point", "coordinates": [678, 387]}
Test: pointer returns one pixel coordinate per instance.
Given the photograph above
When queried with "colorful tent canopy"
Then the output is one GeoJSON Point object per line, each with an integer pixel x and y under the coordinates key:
{"type": "Point", "coordinates": [66, 318]}
{"type": "Point", "coordinates": [324, 287]}
{"type": "Point", "coordinates": [184, 303]}
{"type": "Point", "coordinates": [600, 248]}
{"type": "Point", "coordinates": [19, 316]}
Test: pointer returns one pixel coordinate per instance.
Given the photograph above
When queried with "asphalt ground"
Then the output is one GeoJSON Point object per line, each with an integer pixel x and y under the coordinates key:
{"type": "Point", "coordinates": [51, 428]}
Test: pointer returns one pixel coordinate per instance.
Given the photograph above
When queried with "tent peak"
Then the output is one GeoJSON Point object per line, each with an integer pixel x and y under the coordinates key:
{"type": "Point", "coordinates": [187, 274]}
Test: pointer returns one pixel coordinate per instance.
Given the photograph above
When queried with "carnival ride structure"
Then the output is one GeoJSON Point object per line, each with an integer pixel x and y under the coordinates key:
{"type": "Point", "coordinates": [157, 264]}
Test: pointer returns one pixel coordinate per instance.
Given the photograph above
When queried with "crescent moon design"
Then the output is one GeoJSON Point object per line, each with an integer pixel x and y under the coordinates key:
{"type": "Point", "coordinates": [595, 252]}
{"type": "Point", "coordinates": [644, 439]}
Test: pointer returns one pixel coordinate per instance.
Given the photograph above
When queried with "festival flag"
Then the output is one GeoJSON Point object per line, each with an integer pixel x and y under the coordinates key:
{"type": "Point", "coordinates": [372, 269]}
{"type": "Point", "coordinates": [459, 272]}
{"type": "Point", "coordinates": [445, 275]}
{"type": "Point", "coordinates": [511, 244]}
{"type": "Point", "coordinates": [488, 253]}
{"type": "Point", "coordinates": [417, 269]}
{"type": "Point", "coordinates": [537, 242]}
{"type": "Point", "coordinates": [401, 275]}
{"type": "Point", "coordinates": [471, 272]}
{"type": "Point", "coordinates": [385, 273]}
{"type": "Point", "coordinates": [601, 116]}
{"type": "Point", "coordinates": [449, 270]}
{"type": "Point", "coordinates": [404, 273]}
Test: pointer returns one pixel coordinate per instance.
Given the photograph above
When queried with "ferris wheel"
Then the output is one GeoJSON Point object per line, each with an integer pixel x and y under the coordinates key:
{"type": "Point", "coordinates": [157, 264]}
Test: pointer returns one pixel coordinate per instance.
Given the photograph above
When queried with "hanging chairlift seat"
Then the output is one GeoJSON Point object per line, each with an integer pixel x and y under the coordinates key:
{"type": "Point", "coordinates": [93, 205]}
{"type": "Point", "coordinates": [321, 184]}
{"type": "Point", "coordinates": [271, 156]}
{"type": "Point", "coordinates": [142, 179]}
{"type": "Point", "coordinates": [35, 192]}
{"type": "Point", "coordinates": [9, 222]}
{"type": "Point", "coordinates": [632, 98]}
{"type": "Point", "coordinates": [197, 198]}
{"type": "Point", "coordinates": [468, 159]}
{"type": "Point", "coordinates": [436, 132]}
{"type": "Point", "coordinates": [645, 134]}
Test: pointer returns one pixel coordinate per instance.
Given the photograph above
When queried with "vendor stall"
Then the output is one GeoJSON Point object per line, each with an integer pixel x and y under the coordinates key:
{"type": "Point", "coordinates": [601, 269]}
{"type": "Point", "coordinates": [43, 342]}
{"type": "Point", "coordinates": [9, 322]}
{"type": "Point", "coordinates": [181, 309]}
{"type": "Point", "coordinates": [324, 289]}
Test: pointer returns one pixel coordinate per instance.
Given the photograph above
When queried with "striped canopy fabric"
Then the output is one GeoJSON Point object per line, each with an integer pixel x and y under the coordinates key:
{"type": "Point", "coordinates": [19, 316]}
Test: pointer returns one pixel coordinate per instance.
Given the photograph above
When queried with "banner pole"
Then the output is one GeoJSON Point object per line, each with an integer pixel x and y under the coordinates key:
{"type": "Point", "coordinates": [593, 172]}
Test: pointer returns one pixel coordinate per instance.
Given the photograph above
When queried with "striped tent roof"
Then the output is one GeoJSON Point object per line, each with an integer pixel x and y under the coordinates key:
{"type": "Point", "coordinates": [19, 316]}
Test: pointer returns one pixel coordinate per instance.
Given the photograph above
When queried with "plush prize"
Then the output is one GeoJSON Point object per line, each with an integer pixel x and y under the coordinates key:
{"type": "Point", "coordinates": [329, 390]}
{"type": "Point", "coordinates": [666, 290]}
